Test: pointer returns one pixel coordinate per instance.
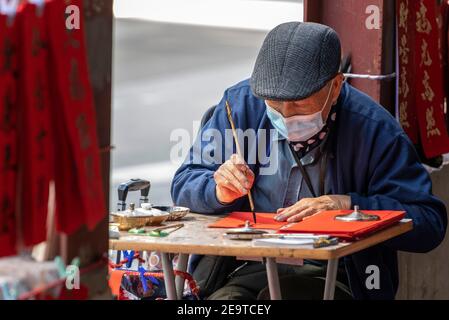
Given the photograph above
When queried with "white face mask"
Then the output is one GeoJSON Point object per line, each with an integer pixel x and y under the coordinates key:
{"type": "Point", "coordinates": [301, 127]}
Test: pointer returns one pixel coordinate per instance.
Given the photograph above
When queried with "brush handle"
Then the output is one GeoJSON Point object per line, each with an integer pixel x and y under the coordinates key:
{"type": "Point", "coordinates": [234, 131]}
{"type": "Point", "coordinates": [251, 202]}
{"type": "Point", "coordinates": [239, 152]}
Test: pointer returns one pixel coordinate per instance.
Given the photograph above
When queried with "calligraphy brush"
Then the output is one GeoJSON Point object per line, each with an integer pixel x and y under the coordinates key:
{"type": "Point", "coordinates": [239, 152]}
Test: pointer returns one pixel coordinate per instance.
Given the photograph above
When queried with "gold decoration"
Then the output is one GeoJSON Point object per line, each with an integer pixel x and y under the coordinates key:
{"type": "Point", "coordinates": [404, 88]}
{"type": "Point", "coordinates": [423, 24]}
{"type": "Point", "coordinates": [403, 15]}
{"type": "Point", "coordinates": [404, 50]}
{"type": "Point", "coordinates": [425, 54]}
{"type": "Point", "coordinates": [428, 94]}
{"type": "Point", "coordinates": [403, 116]}
{"type": "Point", "coordinates": [432, 130]}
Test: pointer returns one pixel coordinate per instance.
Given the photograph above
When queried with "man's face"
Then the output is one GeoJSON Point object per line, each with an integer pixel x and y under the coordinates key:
{"type": "Point", "coordinates": [312, 104]}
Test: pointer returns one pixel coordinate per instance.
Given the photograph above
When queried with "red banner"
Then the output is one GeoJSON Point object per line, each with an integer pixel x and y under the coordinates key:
{"type": "Point", "coordinates": [8, 134]}
{"type": "Point", "coordinates": [36, 135]}
{"type": "Point", "coordinates": [430, 95]}
{"type": "Point", "coordinates": [421, 90]}
{"type": "Point", "coordinates": [445, 50]}
{"type": "Point", "coordinates": [406, 39]}
{"type": "Point", "coordinates": [79, 187]}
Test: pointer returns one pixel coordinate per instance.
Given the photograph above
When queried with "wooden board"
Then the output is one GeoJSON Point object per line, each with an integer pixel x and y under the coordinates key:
{"type": "Point", "coordinates": [196, 238]}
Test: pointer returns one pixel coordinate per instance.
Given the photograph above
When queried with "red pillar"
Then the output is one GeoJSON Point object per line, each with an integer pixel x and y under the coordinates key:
{"type": "Point", "coordinates": [372, 50]}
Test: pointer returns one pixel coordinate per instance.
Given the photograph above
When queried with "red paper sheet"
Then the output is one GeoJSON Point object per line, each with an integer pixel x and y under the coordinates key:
{"type": "Point", "coordinates": [237, 220]}
{"type": "Point", "coordinates": [323, 223]}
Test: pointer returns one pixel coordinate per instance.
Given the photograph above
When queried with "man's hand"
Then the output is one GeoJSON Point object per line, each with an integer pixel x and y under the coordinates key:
{"type": "Point", "coordinates": [234, 179]}
{"type": "Point", "coordinates": [309, 207]}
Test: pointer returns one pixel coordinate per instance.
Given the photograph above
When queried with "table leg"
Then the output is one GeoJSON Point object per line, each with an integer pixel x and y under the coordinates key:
{"type": "Point", "coordinates": [169, 276]}
{"type": "Point", "coordinates": [273, 279]}
{"type": "Point", "coordinates": [118, 257]}
{"type": "Point", "coordinates": [141, 256]}
{"type": "Point", "coordinates": [331, 279]}
{"type": "Point", "coordinates": [183, 260]}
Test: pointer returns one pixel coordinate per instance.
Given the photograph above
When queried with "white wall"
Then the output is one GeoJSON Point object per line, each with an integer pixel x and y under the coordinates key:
{"type": "Point", "coordinates": [245, 14]}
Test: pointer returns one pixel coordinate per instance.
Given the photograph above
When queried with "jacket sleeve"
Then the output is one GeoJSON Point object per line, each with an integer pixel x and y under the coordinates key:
{"type": "Point", "coordinates": [193, 185]}
{"type": "Point", "coordinates": [400, 182]}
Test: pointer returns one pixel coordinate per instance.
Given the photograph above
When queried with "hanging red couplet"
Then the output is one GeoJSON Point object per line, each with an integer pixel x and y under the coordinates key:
{"type": "Point", "coordinates": [8, 134]}
{"type": "Point", "coordinates": [36, 147]}
{"type": "Point", "coordinates": [430, 95]}
{"type": "Point", "coordinates": [421, 90]}
{"type": "Point", "coordinates": [406, 40]}
{"type": "Point", "coordinates": [79, 192]}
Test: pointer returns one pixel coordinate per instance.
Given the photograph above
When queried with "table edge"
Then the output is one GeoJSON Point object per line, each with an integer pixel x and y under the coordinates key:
{"type": "Point", "coordinates": [271, 252]}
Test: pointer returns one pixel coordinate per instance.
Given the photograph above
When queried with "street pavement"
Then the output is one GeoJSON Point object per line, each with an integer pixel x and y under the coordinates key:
{"type": "Point", "coordinates": [166, 76]}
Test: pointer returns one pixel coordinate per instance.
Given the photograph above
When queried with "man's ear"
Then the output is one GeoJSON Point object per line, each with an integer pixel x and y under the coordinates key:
{"type": "Point", "coordinates": [338, 85]}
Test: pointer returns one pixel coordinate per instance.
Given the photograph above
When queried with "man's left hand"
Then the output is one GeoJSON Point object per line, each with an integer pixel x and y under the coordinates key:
{"type": "Point", "coordinates": [311, 206]}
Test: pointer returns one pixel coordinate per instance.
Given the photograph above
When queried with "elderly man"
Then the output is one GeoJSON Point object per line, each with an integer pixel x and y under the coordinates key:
{"type": "Point", "coordinates": [335, 148]}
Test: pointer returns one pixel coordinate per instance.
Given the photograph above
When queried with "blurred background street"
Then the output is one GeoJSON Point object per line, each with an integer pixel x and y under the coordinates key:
{"type": "Point", "coordinates": [172, 61]}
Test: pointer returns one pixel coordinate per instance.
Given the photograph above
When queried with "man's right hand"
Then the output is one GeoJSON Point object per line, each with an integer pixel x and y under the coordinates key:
{"type": "Point", "coordinates": [234, 179]}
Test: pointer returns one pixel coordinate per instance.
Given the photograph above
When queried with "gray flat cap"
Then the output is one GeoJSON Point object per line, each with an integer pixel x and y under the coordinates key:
{"type": "Point", "coordinates": [295, 61]}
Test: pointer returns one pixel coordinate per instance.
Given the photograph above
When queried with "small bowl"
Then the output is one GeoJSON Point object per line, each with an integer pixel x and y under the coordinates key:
{"type": "Point", "coordinates": [146, 206]}
{"type": "Point", "coordinates": [175, 213]}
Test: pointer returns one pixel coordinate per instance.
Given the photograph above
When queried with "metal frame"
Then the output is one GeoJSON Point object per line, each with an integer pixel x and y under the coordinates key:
{"type": "Point", "coordinates": [274, 284]}
{"type": "Point", "coordinates": [175, 286]}
{"type": "Point", "coordinates": [273, 279]}
{"type": "Point", "coordinates": [332, 256]}
{"type": "Point", "coordinates": [331, 279]}
{"type": "Point", "coordinates": [169, 276]}
{"type": "Point", "coordinates": [183, 260]}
